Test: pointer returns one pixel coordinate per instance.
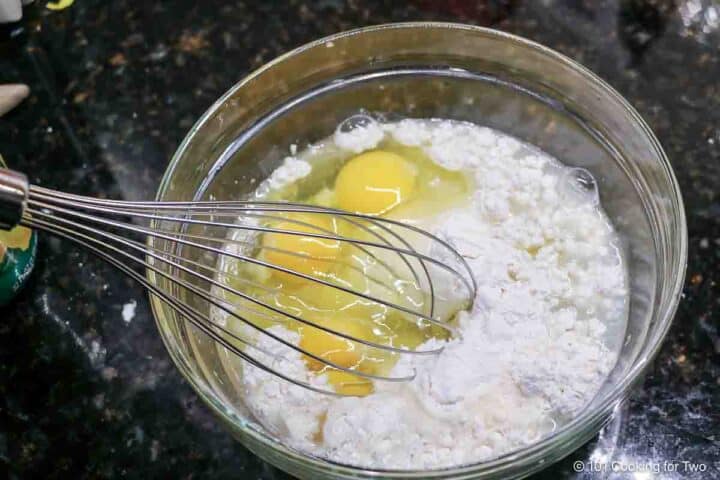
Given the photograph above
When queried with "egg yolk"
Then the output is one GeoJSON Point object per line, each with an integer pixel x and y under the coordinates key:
{"type": "Point", "coordinates": [346, 383]}
{"type": "Point", "coordinates": [340, 351]}
{"type": "Point", "coordinates": [374, 182]}
{"type": "Point", "coordinates": [301, 253]}
{"type": "Point", "coordinates": [334, 348]}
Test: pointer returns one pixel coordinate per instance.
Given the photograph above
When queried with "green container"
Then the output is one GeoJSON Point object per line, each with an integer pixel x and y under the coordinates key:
{"type": "Point", "coordinates": [17, 259]}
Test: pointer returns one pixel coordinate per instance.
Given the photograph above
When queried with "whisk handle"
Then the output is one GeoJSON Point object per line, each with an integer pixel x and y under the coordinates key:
{"type": "Point", "coordinates": [14, 188]}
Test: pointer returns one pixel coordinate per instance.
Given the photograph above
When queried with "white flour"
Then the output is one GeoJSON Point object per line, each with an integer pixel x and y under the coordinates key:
{"type": "Point", "coordinates": [291, 170]}
{"type": "Point", "coordinates": [552, 295]}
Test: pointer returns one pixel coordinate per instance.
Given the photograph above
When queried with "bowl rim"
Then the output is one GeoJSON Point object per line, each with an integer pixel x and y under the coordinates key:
{"type": "Point", "coordinates": [534, 452]}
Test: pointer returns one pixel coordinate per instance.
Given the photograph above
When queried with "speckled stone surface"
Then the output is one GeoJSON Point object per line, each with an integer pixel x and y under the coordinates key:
{"type": "Point", "coordinates": [115, 86]}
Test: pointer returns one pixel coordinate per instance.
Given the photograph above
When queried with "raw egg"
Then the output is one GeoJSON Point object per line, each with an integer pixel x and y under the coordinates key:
{"type": "Point", "coordinates": [375, 182]}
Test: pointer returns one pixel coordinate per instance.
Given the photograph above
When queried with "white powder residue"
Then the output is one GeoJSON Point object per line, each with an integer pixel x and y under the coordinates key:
{"type": "Point", "coordinates": [532, 353]}
{"type": "Point", "coordinates": [128, 311]}
{"type": "Point", "coordinates": [264, 393]}
{"type": "Point", "coordinates": [291, 170]}
{"type": "Point", "coordinates": [361, 138]}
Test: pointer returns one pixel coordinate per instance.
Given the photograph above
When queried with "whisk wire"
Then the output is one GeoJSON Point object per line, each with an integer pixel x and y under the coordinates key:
{"type": "Point", "coordinates": [216, 210]}
{"type": "Point", "coordinates": [195, 318]}
{"type": "Point", "coordinates": [154, 233]}
{"type": "Point", "coordinates": [241, 208]}
{"type": "Point", "coordinates": [225, 287]}
{"type": "Point", "coordinates": [181, 264]}
{"type": "Point", "coordinates": [216, 301]}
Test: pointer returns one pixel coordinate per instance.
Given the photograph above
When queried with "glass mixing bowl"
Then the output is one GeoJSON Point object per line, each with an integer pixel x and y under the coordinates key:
{"type": "Point", "coordinates": [448, 71]}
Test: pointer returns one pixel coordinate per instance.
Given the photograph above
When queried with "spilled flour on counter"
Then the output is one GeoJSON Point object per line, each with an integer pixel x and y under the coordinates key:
{"type": "Point", "coordinates": [542, 336]}
{"type": "Point", "coordinates": [128, 311]}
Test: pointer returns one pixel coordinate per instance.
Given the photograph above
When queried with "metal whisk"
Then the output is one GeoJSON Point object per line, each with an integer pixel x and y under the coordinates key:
{"type": "Point", "coordinates": [180, 251]}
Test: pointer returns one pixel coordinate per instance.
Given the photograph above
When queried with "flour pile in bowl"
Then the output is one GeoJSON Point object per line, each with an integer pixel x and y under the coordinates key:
{"type": "Point", "coordinates": [541, 338]}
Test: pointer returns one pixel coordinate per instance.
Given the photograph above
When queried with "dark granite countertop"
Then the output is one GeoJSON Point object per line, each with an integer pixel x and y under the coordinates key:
{"type": "Point", "coordinates": [116, 85]}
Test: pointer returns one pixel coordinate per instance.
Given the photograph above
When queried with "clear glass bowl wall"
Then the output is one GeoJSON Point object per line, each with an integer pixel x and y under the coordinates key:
{"type": "Point", "coordinates": [446, 71]}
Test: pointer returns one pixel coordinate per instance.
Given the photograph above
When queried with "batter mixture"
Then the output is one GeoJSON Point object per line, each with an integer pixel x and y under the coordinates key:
{"type": "Point", "coordinates": [544, 330]}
